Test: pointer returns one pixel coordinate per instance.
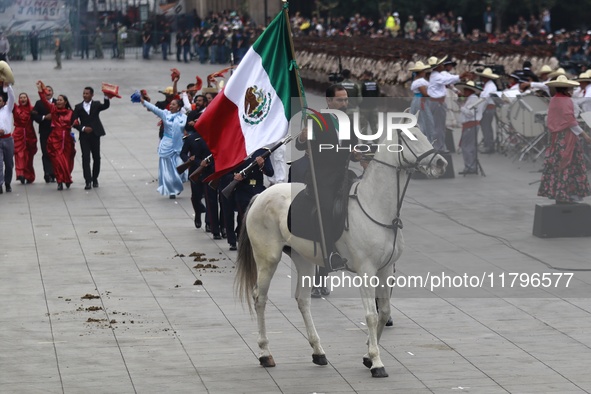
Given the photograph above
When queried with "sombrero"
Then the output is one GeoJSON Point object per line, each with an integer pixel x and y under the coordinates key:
{"type": "Point", "coordinates": [209, 90]}
{"type": "Point", "coordinates": [169, 91]}
{"type": "Point", "coordinates": [434, 62]}
{"type": "Point", "coordinates": [110, 90]}
{"type": "Point", "coordinates": [556, 73]}
{"type": "Point", "coordinates": [419, 66]}
{"type": "Point", "coordinates": [487, 73]}
{"type": "Point", "coordinates": [468, 85]}
{"type": "Point", "coordinates": [584, 77]}
{"type": "Point", "coordinates": [546, 69]}
{"type": "Point", "coordinates": [6, 73]}
{"type": "Point", "coordinates": [562, 82]}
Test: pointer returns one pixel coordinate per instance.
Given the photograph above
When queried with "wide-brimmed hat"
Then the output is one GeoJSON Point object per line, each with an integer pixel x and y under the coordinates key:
{"type": "Point", "coordinates": [448, 62]}
{"type": "Point", "coordinates": [468, 85]}
{"type": "Point", "coordinates": [209, 90]}
{"type": "Point", "coordinates": [487, 73]}
{"type": "Point", "coordinates": [584, 77]}
{"type": "Point", "coordinates": [169, 91]}
{"type": "Point", "coordinates": [562, 82]}
{"type": "Point", "coordinates": [546, 69]}
{"type": "Point", "coordinates": [556, 73]}
{"type": "Point", "coordinates": [6, 73]}
{"type": "Point", "coordinates": [419, 66]}
{"type": "Point", "coordinates": [110, 90]}
{"type": "Point", "coordinates": [518, 76]}
{"type": "Point", "coordinates": [434, 61]}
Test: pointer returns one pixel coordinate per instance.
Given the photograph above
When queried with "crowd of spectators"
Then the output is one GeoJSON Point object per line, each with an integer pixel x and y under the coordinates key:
{"type": "Point", "coordinates": [573, 46]}
{"type": "Point", "coordinates": [218, 36]}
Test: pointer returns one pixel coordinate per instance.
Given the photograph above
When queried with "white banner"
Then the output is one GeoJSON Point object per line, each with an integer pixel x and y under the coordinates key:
{"type": "Point", "coordinates": [21, 15]}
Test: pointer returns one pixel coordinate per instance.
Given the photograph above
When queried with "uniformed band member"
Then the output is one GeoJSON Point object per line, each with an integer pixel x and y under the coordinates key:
{"type": "Point", "coordinates": [471, 114]}
{"type": "Point", "coordinates": [488, 78]}
{"type": "Point", "coordinates": [241, 196]}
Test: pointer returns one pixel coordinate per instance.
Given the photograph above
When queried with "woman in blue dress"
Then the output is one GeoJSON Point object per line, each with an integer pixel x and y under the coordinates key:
{"type": "Point", "coordinates": [170, 183]}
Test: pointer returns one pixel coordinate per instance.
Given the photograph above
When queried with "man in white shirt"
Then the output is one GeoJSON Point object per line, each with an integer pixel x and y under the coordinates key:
{"type": "Point", "coordinates": [488, 77]}
{"type": "Point", "coordinates": [583, 98]}
{"type": "Point", "coordinates": [470, 116]}
{"type": "Point", "coordinates": [437, 93]}
{"type": "Point", "coordinates": [6, 141]}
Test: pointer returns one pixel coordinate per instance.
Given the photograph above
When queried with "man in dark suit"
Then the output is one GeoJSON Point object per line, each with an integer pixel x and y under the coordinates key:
{"type": "Point", "coordinates": [91, 130]}
{"type": "Point", "coordinates": [42, 116]}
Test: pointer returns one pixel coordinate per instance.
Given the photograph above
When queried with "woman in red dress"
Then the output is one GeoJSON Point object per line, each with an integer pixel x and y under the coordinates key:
{"type": "Point", "coordinates": [60, 144]}
{"type": "Point", "coordinates": [25, 140]}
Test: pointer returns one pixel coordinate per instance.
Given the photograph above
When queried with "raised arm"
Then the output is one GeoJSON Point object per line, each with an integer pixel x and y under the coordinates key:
{"type": "Point", "coordinates": [40, 89]}
{"type": "Point", "coordinates": [152, 108]}
{"type": "Point", "coordinates": [10, 93]}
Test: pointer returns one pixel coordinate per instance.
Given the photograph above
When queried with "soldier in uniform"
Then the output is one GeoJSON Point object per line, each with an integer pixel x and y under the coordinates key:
{"type": "Point", "coordinates": [370, 91]}
{"type": "Point", "coordinates": [252, 184]}
{"type": "Point", "coordinates": [67, 43]}
{"type": "Point", "coordinates": [353, 91]}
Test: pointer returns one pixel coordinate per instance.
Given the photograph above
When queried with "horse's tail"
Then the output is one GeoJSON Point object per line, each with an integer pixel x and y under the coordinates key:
{"type": "Point", "coordinates": [246, 271]}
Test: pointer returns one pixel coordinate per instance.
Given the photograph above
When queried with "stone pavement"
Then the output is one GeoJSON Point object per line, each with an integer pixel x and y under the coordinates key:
{"type": "Point", "coordinates": [151, 330]}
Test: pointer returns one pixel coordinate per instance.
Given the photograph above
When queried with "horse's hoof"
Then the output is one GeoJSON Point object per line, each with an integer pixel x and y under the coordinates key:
{"type": "Point", "coordinates": [267, 361]}
{"type": "Point", "coordinates": [367, 362]}
{"type": "Point", "coordinates": [319, 359]}
{"type": "Point", "coordinates": [379, 373]}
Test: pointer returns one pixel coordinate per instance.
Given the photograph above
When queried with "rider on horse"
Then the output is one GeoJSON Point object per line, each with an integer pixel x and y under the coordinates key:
{"type": "Point", "coordinates": [330, 167]}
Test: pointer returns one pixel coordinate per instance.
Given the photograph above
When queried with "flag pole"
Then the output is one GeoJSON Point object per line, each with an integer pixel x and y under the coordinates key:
{"type": "Point", "coordinates": [303, 104]}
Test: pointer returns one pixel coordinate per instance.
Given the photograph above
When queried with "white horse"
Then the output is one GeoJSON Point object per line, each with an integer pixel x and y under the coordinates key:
{"type": "Point", "coordinates": [371, 244]}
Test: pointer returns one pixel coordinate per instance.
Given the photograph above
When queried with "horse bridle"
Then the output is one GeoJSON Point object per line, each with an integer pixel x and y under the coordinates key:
{"type": "Point", "coordinates": [410, 168]}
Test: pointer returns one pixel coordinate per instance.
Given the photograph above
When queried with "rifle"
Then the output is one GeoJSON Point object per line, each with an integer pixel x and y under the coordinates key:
{"type": "Point", "coordinates": [245, 172]}
{"type": "Point", "coordinates": [195, 174]}
{"type": "Point", "coordinates": [183, 167]}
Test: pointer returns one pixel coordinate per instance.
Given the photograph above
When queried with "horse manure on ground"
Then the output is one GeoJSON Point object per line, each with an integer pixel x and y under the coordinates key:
{"type": "Point", "coordinates": [89, 297]}
{"type": "Point", "coordinates": [92, 320]}
{"type": "Point", "coordinates": [198, 282]}
{"type": "Point", "coordinates": [179, 255]}
{"type": "Point", "coordinates": [94, 308]}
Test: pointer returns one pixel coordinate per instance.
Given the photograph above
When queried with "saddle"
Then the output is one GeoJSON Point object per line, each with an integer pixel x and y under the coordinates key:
{"type": "Point", "coordinates": [302, 217]}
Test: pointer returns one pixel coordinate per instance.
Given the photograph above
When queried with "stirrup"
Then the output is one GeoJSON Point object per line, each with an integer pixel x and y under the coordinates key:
{"type": "Point", "coordinates": [336, 262]}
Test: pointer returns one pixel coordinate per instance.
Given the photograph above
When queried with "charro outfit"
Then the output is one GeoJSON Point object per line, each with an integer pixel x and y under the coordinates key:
{"type": "Point", "coordinates": [90, 142]}
{"type": "Point", "coordinates": [437, 93]}
{"type": "Point", "coordinates": [418, 105]}
{"type": "Point", "coordinates": [564, 177]}
{"type": "Point", "coordinates": [25, 142]}
{"type": "Point", "coordinates": [170, 183]}
{"type": "Point", "coordinates": [330, 167]}
{"type": "Point", "coordinates": [470, 119]}
{"type": "Point", "coordinates": [488, 115]}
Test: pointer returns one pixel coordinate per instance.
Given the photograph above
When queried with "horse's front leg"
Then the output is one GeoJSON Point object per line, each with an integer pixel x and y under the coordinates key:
{"type": "Point", "coordinates": [383, 295]}
{"type": "Point", "coordinates": [302, 294]}
{"type": "Point", "coordinates": [372, 359]}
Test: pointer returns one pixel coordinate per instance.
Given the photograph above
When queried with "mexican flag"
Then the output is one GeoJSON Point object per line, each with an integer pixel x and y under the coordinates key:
{"type": "Point", "coordinates": [254, 109]}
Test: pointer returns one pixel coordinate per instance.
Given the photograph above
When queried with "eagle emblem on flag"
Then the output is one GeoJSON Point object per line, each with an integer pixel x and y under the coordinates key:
{"type": "Point", "coordinates": [256, 105]}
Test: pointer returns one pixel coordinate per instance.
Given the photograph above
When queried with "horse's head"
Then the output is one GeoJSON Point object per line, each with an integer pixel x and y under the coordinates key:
{"type": "Point", "coordinates": [420, 154]}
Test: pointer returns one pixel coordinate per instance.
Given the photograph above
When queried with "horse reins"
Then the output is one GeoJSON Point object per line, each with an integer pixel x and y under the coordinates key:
{"type": "Point", "coordinates": [413, 166]}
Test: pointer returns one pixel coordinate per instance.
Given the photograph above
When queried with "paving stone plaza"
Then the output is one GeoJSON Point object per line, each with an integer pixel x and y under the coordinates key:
{"type": "Point", "coordinates": [98, 287]}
